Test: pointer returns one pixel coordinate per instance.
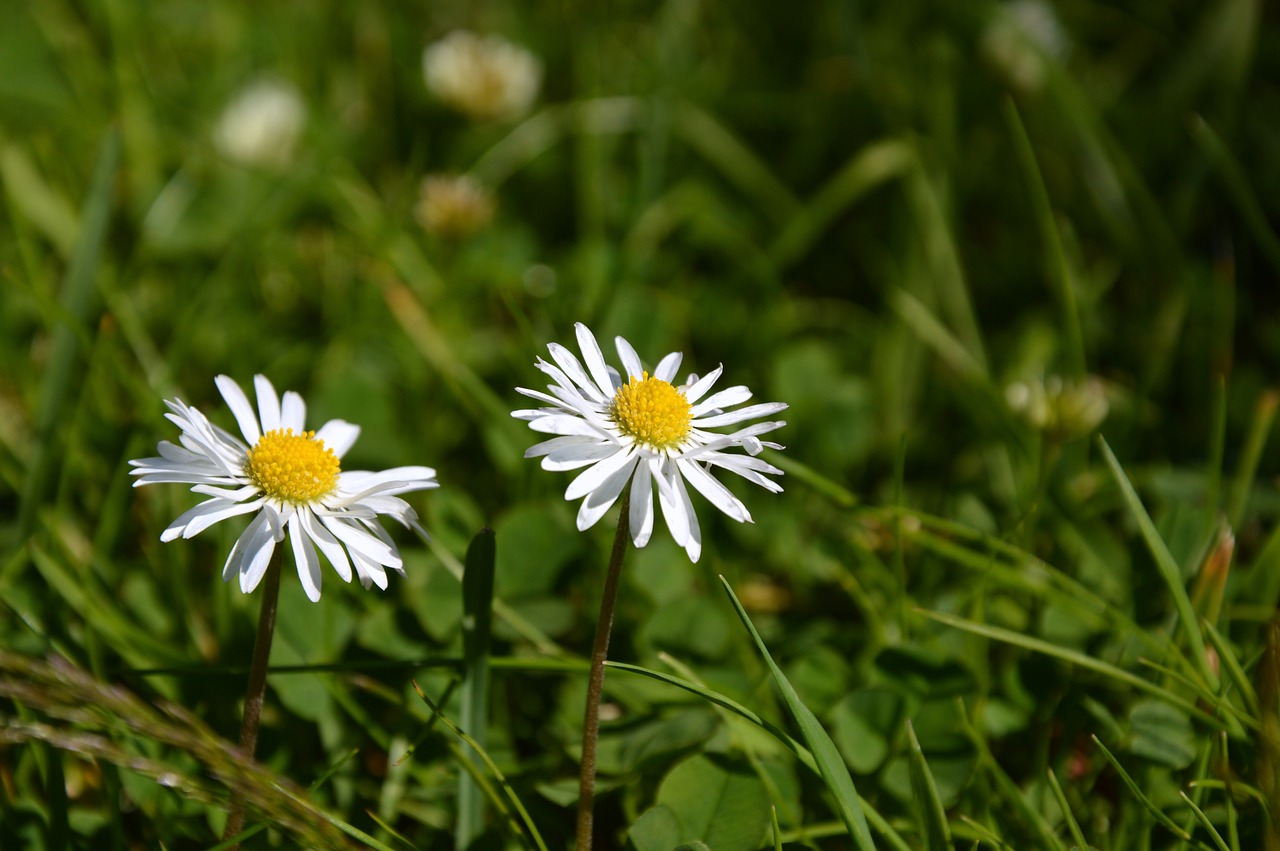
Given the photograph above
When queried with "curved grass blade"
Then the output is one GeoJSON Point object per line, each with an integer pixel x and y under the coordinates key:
{"type": "Point", "coordinates": [1075, 657]}
{"type": "Point", "coordinates": [830, 763]}
{"type": "Point", "coordinates": [1077, 835]}
{"type": "Point", "coordinates": [1204, 822]}
{"type": "Point", "coordinates": [530, 830]}
{"type": "Point", "coordinates": [77, 299]}
{"type": "Point", "coordinates": [937, 833]}
{"type": "Point", "coordinates": [1165, 563]}
{"type": "Point", "coordinates": [1158, 814]}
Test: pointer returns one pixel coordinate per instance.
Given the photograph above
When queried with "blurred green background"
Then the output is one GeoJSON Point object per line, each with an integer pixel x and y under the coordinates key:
{"type": "Point", "coordinates": [958, 239]}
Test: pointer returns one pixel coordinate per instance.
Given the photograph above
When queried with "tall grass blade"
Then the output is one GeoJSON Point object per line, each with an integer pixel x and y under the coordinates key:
{"type": "Point", "coordinates": [77, 300]}
{"type": "Point", "coordinates": [1169, 570]}
{"type": "Point", "coordinates": [937, 834]}
{"type": "Point", "coordinates": [830, 763]}
{"type": "Point", "coordinates": [1077, 835]}
{"type": "Point", "coordinates": [477, 620]}
{"type": "Point", "coordinates": [1156, 813]}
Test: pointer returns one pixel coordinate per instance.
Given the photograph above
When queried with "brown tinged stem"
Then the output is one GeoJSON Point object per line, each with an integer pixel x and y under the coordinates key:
{"type": "Point", "coordinates": [257, 688]}
{"type": "Point", "coordinates": [595, 684]}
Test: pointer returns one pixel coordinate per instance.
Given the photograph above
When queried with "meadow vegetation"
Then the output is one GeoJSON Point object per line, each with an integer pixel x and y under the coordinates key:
{"type": "Point", "coordinates": [1013, 267]}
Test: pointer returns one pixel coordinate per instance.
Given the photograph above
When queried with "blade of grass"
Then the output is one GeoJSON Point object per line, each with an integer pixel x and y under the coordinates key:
{"type": "Point", "coordinates": [877, 821]}
{"type": "Point", "coordinates": [477, 617]}
{"type": "Point", "coordinates": [777, 831]}
{"type": "Point", "coordinates": [1008, 789]}
{"type": "Point", "coordinates": [871, 167]}
{"type": "Point", "coordinates": [1168, 568]}
{"type": "Point", "coordinates": [1056, 262]}
{"type": "Point", "coordinates": [1073, 827]}
{"type": "Point", "coordinates": [1235, 671]}
{"type": "Point", "coordinates": [1204, 822]}
{"type": "Point", "coordinates": [937, 834]}
{"type": "Point", "coordinates": [830, 763]}
{"type": "Point", "coordinates": [1238, 187]}
{"type": "Point", "coordinates": [1264, 415]}
{"type": "Point", "coordinates": [77, 297]}
{"type": "Point", "coordinates": [1075, 657]}
{"type": "Point", "coordinates": [1156, 813]}
{"type": "Point", "coordinates": [525, 827]}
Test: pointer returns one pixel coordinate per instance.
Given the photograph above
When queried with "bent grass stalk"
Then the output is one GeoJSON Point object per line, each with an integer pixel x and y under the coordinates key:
{"type": "Point", "coordinates": [595, 681]}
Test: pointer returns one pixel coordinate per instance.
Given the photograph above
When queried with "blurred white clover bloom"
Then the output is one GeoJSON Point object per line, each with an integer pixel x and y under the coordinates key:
{"type": "Point", "coordinates": [454, 205]}
{"type": "Point", "coordinates": [485, 77]}
{"type": "Point", "coordinates": [1018, 40]}
{"type": "Point", "coordinates": [1062, 409]}
{"type": "Point", "coordinates": [293, 480]}
{"type": "Point", "coordinates": [646, 431]}
{"type": "Point", "coordinates": [262, 124]}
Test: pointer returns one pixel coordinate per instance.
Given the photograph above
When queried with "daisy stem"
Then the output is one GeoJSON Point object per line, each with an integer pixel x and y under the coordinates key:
{"type": "Point", "coordinates": [595, 684]}
{"type": "Point", "coordinates": [257, 688]}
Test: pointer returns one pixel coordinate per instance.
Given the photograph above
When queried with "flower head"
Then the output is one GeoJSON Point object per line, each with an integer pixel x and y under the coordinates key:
{"type": "Point", "coordinates": [261, 126]}
{"type": "Point", "coordinates": [648, 431]}
{"type": "Point", "coordinates": [454, 206]}
{"type": "Point", "coordinates": [1063, 409]}
{"type": "Point", "coordinates": [293, 479]}
{"type": "Point", "coordinates": [485, 77]}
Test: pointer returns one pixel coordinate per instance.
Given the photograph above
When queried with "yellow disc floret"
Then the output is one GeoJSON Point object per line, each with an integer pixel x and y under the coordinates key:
{"type": "Point", "coordinates": [292, 467]}
{"type": "Point", "coordinates": [652, 411]}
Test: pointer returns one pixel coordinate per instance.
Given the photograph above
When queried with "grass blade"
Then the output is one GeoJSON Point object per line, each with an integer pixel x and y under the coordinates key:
{"type": "Point", "coordinates": [1165, 563]}
{"type": "Point", "coordinates": [1158, 814]}
{"type": "Point", "coordinates": [1074, 657]}
{"type": "Point", "coordinates": [477, 618]}
{"type": "Point", "coordinates": [77, 299]}
{"type": "Point", "coordinates": [830, 763]}
{"type": "Point", "coordinates": [937, 834]}
{"type": "Point", "coordinates": [1077, 835]}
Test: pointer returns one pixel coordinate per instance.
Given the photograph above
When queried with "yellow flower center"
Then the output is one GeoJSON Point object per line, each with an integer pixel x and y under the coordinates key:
{"type": "Point", "coordinates": [292, 467]}
{"type": "Point", "coordinates": [652, 411]}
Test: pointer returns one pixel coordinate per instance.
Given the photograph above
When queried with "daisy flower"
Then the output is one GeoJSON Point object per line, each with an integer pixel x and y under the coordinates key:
{"type": "Point", "coordinates": [292, 479]}
{"type": "Point", "coordinates": [650, 432]}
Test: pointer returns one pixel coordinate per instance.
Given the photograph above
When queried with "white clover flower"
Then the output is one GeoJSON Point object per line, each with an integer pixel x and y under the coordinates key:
{"type": "Point", "coordinates": [1062, 409]}
{"type": "Point", "coordinates": [1021, 36]}
{"type": "Point", "coordinates": [646, 431]}
{"type": "Point", "coordinates": [484, 77]}
{"type": "Point", "coordinates": [262, 124]}
{"type": "Point", "coordinates": [292, 479]}
{"type": "Point", "coordinates": [454, 206]}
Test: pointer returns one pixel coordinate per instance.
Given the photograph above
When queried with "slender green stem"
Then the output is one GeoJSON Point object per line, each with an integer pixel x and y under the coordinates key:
{"type": "Point", "coordinates": [595, 683]}
{"type": "Point", "coordinates": [257, 688]}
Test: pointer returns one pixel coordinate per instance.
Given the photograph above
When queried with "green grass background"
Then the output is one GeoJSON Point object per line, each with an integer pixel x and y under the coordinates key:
{"type": "Point", "coordinates": [859, 210]}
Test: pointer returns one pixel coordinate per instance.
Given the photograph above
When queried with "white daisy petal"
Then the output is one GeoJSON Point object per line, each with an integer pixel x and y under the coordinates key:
{"type": "Point", "coordinates": [631, 365]}
{"type": "Point", "coordinates": [338, 435]}
{"type": "Point", "coordinates": [594, 359]}
{"type": "Point", "coordinates": [673, 510]}
{"type": "Point", "coordinates": [747, 413]}
{"type": "Point", "coordinates": [268, 403]}
{"type": "Point", "coordinates": [370, 572]}
{"type": "Point", "coordinates": [725, 398]}
{"type": "Point", "coordinates": [329, 545]}
{"type": "Point", "coordinates": [668, 366]}
{"type": "Point", "coordinates": [258, 554]}
{"type": "Point", "coordinates": [594, 476]}
{"type": "Point", "coordinates": [240, 407]}
{"type": "Point", "coordinates": [641, 518]}
{"type": "Point", "coordinates": [360, 542]}
{"type": "Point", "coordinates": [256, 535]}
{"type": "Point", "coordinates": [577, 456]}
{"type": "Point", "coordinates": [304, 556]}
{"type": "Point", "coordinates": [718, 495]}
{"type": "Point", "coordinates": [693, 542]}
{"type": "Point", "coordinates": [293, 412]}
{"type": "Point", "coordinates": [698, 389]}
{"type": "Point", "coordinates": [600, 500]}
{"type": "Point", "coordinates": [196, 520]}
{"type": "Point", "coordinates": [571, 374]}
